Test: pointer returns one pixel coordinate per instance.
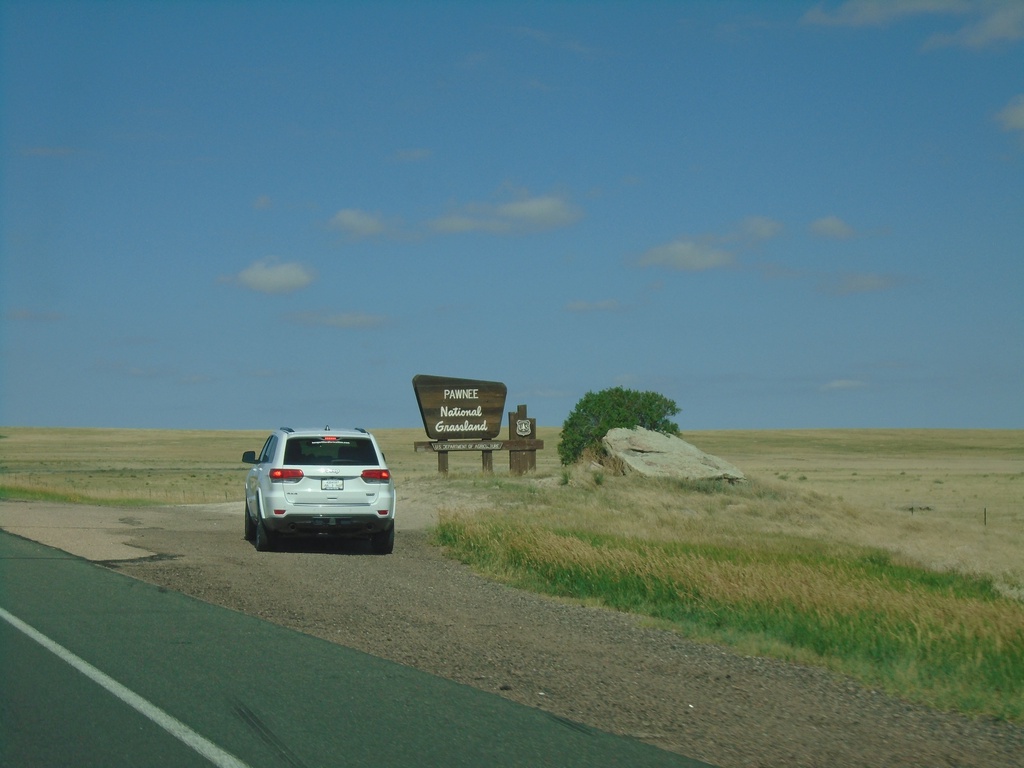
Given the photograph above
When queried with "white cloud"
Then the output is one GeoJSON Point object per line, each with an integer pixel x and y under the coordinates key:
{"type": "Point", "coordinates": [546, 38]}
{"type": "Point", "coordinates": [357, 223]}
{"type": "Point", "coordinates": [608, 305]}
{"type": "Point", "coordinates": [999, 23]}
{"type": "Point", "coordinates": [1012, 116]}
{"type": "Point", "coordinates": [843, 384]}
{"type": "Point", "coordinates": [713, 251]}
{"type": "Point", "coordinates": [833, 227]}
{"type": "Point", "coordinates": [859, 282]}
{"type": "Point", "coordinates": [533, 33]}
{"type": "Point", "coordinates": [986, 22]}
{"type": "Point", "coordinates": [539, 213]}
{"type": "Point", "coordinates": [194, 378]}
{"type": "Point", "coordinates": [686, 255]}
{"type": "Point", "coordinates": [414, 155]}
{"type": "Point", "coordinates": [122, 368]}
{"type": "Point", "coordinates": [760, 228]}
{"type": "Point", "coordinates": [528, 215]}
{"type": "Point", "coordinates": [875, 13]}
{"type": "Point", "coordinates": [269, 276]}
{"type": "Point", "coordinates": [49, 151]}
{"type": "Point", "coordinates": [457, 223]}
{"type": "Point", "coordinates": [346, 320]}
{"type": "Point", "coordinates": [32, 316]}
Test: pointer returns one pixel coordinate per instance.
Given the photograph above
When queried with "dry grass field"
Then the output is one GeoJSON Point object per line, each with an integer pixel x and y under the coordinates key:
{"type": "Point", "coordinates": [950, 499]}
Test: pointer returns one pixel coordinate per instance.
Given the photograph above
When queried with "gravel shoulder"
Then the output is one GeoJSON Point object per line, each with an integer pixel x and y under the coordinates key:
{"type": "Point", "coordinates": [588, 665]}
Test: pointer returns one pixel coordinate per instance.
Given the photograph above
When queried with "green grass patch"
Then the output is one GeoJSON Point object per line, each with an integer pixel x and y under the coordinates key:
{"type": "Point", "coordinates": [946, 639]}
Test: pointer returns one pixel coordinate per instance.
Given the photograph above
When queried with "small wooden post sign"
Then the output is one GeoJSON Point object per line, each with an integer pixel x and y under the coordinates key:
{"type": "Point", "coordinates": [466, 415]}
{"type": "Point", "coordinates": [522, 433]}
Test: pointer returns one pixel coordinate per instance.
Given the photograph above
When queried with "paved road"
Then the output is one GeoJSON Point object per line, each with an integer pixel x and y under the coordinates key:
{"type": "Point", "coordinates": [97, 669]}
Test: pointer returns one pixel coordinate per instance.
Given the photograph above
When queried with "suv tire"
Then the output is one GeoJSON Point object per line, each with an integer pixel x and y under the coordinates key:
{"type": "Point", "coordinates": [383, 542]}
{"type": "Point", "coordinates": [250, 526]}
{"type": "Point", "coordinates": [264, 541]}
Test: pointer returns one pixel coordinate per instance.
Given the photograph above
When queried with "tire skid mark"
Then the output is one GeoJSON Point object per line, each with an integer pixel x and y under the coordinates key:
{"type": "Point", "coordinates": [266, 734]}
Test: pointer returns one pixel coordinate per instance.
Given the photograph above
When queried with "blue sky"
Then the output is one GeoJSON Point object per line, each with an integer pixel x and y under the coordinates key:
{"type": "Point", "coordinates": [780, 215]}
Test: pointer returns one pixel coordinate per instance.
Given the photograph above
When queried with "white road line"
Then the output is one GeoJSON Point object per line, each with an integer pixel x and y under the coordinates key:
{"type": "Point", "coordinates": [175, 727]}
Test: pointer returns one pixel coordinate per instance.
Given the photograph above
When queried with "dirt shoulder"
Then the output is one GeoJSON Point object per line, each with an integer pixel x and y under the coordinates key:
{"type": "Point", "coordinates": [589, 665]}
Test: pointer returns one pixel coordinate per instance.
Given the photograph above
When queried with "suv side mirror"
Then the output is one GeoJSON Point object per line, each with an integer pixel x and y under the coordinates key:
{"type": "Point", "coordinates": [249, 457]}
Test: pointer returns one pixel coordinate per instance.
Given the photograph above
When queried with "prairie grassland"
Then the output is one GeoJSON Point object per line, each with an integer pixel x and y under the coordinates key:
{"type": "Point", "coordinates": [124, 466]}
{"type": "Point", "coordinates": [896, 556]}
{"type": "Point", "coordinates": [950, 499]}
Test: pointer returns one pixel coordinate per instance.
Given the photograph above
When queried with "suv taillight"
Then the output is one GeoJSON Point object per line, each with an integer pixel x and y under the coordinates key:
{"type": "Point", "coordinates": [377, 475]}
{"type": "Point", "coordinates": [286, 474]}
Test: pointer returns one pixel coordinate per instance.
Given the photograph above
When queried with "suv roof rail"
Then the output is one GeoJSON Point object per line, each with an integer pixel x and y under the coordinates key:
{"type": "Point", "coordinates": [287, 429]}
{"type": "Point", "coordinates": [360, 429]}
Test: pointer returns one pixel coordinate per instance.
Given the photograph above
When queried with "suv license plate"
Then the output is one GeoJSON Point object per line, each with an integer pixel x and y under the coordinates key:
{"type": "Point", "coordinates": [332, 485]}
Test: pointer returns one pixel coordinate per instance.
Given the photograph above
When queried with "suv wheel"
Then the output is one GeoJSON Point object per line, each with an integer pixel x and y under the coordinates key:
{"type": "Point", "coordinates": [264, 541]}
{"type": "Point", "coordinates": [250, 527]}
{"type": "Point", "coordinates": [383, 542]}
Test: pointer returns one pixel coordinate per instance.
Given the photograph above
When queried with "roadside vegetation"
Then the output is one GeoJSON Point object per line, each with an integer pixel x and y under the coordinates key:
{"type": "Point", "coordinates": [599, 412]}
{"type": "Point", "coordinates": [720, 563]}
{"type": "Point", "coordinates": [892, 556]}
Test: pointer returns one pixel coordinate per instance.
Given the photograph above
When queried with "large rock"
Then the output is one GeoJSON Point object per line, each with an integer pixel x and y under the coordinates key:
{"type": "Point", "coordinates": [660, 455]}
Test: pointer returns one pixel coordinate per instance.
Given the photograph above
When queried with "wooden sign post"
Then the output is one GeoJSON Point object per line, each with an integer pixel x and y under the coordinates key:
{"type": "Point", "coordinates": [522, 431]}
{"type": "Point", "coordinates": [465, 415]}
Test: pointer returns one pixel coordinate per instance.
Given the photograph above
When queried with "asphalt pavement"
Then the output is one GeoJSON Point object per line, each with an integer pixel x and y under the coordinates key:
{"type": "Point", "coordinates": [98, 669]}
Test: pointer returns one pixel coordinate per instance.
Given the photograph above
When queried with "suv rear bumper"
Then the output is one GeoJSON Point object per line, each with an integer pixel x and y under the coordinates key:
{"type": "Point", "coordinates": [332, 524]}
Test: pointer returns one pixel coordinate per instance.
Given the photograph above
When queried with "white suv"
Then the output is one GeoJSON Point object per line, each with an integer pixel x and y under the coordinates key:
{"type": "Point", "coordinates": [319, 482]}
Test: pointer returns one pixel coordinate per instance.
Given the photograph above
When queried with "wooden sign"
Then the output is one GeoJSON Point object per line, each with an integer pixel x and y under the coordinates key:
{"type": "Point", "coordinates": [460, 409]}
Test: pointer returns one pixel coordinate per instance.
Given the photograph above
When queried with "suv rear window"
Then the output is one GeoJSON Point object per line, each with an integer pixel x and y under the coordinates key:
{"type": "Point", "coordinates": [305, 451]}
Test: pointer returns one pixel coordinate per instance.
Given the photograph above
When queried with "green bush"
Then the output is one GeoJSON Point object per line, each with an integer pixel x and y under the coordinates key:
{"type": "Point", "coordinates": [598, 412]}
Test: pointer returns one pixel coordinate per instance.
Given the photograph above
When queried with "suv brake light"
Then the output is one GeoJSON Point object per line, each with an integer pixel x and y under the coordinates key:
{"type": "Point", "coordinates": [286, 474]}
{"type": "Point", "coordinates": [377, 475]}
